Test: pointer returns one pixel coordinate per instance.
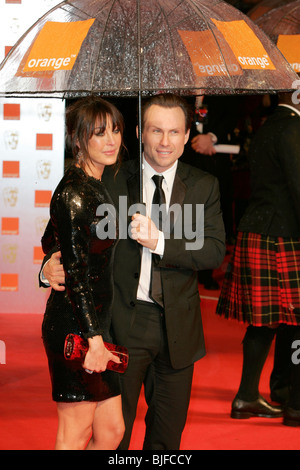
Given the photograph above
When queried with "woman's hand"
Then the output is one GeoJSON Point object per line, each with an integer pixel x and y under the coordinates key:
{"type": "Point", "coordinates": [54, 272]}
{"type": "Point", "coordinates": [98, 356]}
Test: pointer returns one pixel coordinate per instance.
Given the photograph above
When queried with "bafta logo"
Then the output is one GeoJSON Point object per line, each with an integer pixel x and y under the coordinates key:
{"type": "Point", "coordinates": [11, 139]}
{"type": "Point", "coordinates": [2, 352]}
{"type": "Point", "coordinates": [45, 111]}
{"type": "Point", "coordinates": [10, 196]}
{"type": "Point", "coordinates": [43, 169]}
{"type": "Point", "coordinates": [15, 25]}
{"type": "Point", "coordinates": [50, 3]}
{"type": "Point", "coordinates": [40, 225]}
{"type": "Point", "coordinates": [9, 253]}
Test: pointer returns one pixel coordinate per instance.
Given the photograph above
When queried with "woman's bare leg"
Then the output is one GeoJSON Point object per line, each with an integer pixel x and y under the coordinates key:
{"type": "Point", "coordinates": [75, 422]}
{"type": "Point", "coordinates": [94, 426]}
{"type": "Point", "coordinates": [108, 425]}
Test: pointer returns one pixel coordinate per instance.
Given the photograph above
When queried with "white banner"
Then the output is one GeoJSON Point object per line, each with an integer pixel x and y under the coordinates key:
{"type": "Point", "coordinates": [31, 164]}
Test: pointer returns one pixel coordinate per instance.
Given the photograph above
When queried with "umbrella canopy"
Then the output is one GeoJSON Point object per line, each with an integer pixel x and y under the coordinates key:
{"type": "Point", "coordinates": [264, 6]}
{"type": "Point", "coordinates": [127, 47]}
{"type": "Point", "coordinates": [282, 25]}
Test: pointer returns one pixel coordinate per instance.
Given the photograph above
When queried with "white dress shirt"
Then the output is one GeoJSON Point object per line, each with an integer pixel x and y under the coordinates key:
{"type": "Point", "coordinates": [148, 191]}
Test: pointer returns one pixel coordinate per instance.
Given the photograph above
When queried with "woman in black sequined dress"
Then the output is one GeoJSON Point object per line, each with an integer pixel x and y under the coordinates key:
{"type": "Point", "coordinates": [88, 404]}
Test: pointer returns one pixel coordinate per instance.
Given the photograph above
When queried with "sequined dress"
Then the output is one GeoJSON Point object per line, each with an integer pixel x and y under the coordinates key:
{"type": "Point", "coordinates": [85, 306]}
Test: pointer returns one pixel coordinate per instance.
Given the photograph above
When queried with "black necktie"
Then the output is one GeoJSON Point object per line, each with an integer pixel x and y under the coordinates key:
{"type": "Point", "coordinates": [157, 214]}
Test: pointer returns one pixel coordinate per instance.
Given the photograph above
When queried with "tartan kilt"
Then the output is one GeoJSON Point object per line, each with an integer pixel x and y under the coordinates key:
{"type": "Point", "coordinates": [262, 281]}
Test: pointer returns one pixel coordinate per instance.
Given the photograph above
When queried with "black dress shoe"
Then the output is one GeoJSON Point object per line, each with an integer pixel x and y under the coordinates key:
{"type": "Point", "coordinates": [291, 417]}
{"type": "Point", "coordinates": [280, 396]}
{"type": "Point", "coordinates": [258, 408]}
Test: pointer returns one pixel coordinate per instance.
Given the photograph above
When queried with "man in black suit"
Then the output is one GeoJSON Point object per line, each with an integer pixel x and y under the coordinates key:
{"type": "Point", "coordinates": [163, 330]}
{"type": "Point", "coordinates": [216, 121]}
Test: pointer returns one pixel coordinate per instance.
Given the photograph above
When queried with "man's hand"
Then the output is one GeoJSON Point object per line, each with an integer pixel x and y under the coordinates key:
{"type": "Point", "coordinates": [54, 272]}
{"type": "Point", "coordinates": [144, 231]}
{"type": "Point", "coordinates": [203, 143]}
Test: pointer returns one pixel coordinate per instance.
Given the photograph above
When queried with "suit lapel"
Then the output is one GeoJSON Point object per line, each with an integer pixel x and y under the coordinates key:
{"type": "Point", "coordinates": [133, 188]}
{"type": "Point", "coordinates": [178, 194]}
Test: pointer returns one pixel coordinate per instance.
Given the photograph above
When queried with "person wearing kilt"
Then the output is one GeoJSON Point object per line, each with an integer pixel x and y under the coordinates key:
{"type": "Point", "coordinates": [262, 282]}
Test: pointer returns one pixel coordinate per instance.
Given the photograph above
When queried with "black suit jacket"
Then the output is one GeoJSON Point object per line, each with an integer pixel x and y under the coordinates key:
{"type": "Point", "coordinates": [179, 265]}
{"type": "Point", "coordinates": [274, 156]}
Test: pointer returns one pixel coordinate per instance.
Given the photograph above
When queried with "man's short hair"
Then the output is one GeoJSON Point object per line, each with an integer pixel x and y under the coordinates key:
{"type": "Point", "coordinates": [169, 100]}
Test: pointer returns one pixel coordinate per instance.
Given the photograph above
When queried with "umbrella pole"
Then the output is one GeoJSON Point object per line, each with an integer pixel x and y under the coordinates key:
{"type": "Point", "coordinates": [140, 147]}
{"type": "Point", "coordinates": [140, 102]}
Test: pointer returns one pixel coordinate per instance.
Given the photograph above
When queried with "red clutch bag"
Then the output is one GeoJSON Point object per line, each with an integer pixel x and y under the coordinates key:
{"type": "Point", "coordinates": [76, 347]}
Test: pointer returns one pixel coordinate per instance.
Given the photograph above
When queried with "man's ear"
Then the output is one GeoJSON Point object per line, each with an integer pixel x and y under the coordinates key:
{"type": "Point", "coordinates": [187, 136]}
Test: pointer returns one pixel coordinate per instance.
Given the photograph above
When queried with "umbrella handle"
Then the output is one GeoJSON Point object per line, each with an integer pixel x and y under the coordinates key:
{"type": "Point", "coordinates": [140, 103]}
{"type": "Point", "coordinates": [140, 148]}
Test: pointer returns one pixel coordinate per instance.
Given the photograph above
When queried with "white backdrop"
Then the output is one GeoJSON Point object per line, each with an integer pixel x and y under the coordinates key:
{"type": "Point", "coordinates": [31, 164]}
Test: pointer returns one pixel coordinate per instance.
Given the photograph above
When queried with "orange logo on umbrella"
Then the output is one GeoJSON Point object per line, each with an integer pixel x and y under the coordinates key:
{"type": "Point", "coordinates": [56, 46]}
{"type": "Point", "coordinates": [289, 45]}
{"type": "Point", "coordinates": [246, 47]}
{"type": "Point", "coordinates": [208, 56]}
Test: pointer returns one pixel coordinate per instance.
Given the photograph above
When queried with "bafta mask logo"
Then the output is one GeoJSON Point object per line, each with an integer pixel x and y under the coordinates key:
{"type": "Point", "coordinates": [9, 253]}
{"type": "Point", "coordinates": [45, 111]}
{"type": "Point", "coordinates": [40, 225]}
{"type": "Point", "coordinates": [15, 25]}
{"type": "Point", "coordinates": [11, 139]}
{"type": "Point", "coordinates": [10, 196]}
{"type": "Point", "coordinates": [43, 169]}
{"type": "Point", "coordinates": [50, 3]}
{"type": "Point", "coordinates": [2, 352]}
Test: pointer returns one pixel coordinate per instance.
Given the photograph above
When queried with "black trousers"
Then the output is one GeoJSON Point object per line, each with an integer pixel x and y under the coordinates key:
{"type": "Point", "coordinates": [167, 390]}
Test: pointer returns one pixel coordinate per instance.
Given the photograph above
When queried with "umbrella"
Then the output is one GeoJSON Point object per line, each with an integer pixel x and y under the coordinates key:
{"type": "Point", "coordinates": [264, 6]}
{"type": "Point", "coordinates": [123, 47]}
{"type": "Point", "coordinates": [282, 25]}
{"type": "Point", "coordinates": [137, 47]}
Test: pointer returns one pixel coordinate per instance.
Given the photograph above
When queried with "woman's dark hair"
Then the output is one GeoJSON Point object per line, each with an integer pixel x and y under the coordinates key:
{"type": "Point", "coordinates": [81, 117]}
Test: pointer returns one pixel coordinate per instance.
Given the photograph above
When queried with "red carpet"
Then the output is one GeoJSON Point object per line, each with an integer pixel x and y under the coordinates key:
{"type": "Point", "coordinates": [28, 416]}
